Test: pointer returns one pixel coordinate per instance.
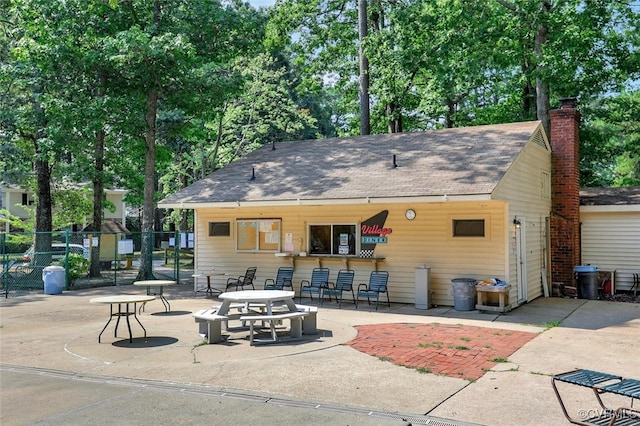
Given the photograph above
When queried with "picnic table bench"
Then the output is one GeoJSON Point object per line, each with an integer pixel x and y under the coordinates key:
{"type": "Point", "coordinates": [275, 318]}
{"type": "Point", "coordinates": [210, 324]}
{"type": "Point", "coordinates": [602, 383]}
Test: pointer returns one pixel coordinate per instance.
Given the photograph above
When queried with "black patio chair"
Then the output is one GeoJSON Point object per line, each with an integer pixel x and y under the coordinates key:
{"type": "Point", "coordinates": [282, 280]}
{"type": "Point", "coordinates": [243, 281]}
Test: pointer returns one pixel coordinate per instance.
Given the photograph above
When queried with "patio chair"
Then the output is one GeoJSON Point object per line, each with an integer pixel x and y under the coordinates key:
{"type": "Point", "coordinates": [377, 284]}
{"type": "Point", "coordinates": [319, 279]}
{"type": "Point", "coordinates": [283, 279]}
{"type": "Point", "coordinates": [344, 282]}
{"type": "Point", "coordinates": [242, 281]}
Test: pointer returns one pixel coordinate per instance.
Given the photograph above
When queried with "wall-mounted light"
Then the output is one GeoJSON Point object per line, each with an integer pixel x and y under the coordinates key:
{"type": "Point", "coordinates": [517, 222]}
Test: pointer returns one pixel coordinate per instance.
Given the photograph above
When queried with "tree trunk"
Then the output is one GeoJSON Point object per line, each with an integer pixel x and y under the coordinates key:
{"type": "Point", "coordinates": [184, 217]}
{"type": "Point", "coordinates": [146, 249]}
{"type": "Point", "coordinates": [451, 110]}
{"type": "Point", "coordinates": [44, 220]}
{"type": "Point", "coordinates": [542, 86]}
{"type": "Point", "coordinates": [98, 190]}
{"type": "Point", "coordinates": [148, 209]}
{"type": "Point", "coordinates": [395, 117]}
{"type": "Point", "coordinates": [365, 115]}
{"type": "Point", "coordinates": [528, 96]}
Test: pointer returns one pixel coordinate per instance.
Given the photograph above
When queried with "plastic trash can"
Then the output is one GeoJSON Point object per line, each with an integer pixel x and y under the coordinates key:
{"type": "Point", "coordinates": [464, 294]}
{"type": "Point", "coordinates": [54, 279]}
{"type": "Point", "coordinates": [587, 281]}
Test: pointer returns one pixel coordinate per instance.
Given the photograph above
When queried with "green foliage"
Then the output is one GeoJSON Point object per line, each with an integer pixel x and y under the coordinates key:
{"type": "Point", "coordinates": [76, 265]}
{"type": "Point", "coordinates": [230, 78]}
{"type": "Point", "coordinates": [265, 112]}
{"type": "Point", "coordinates": [17, 222]}
{"type": "Point", "coordinates": [71, 206]}
{"type": "Point", "coordinates": [461, 63]}
{"type": "Point", "coordinates": [610, 142]}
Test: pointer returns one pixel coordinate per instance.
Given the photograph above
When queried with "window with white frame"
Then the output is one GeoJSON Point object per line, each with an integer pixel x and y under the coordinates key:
{"type": "Point", "coordinates": [332, 239]}
{"type": "Point", "coordinates": [258, 235]}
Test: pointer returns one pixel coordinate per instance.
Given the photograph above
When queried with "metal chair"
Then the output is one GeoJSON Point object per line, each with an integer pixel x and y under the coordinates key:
{"type": "Point", "coordinates": [319, 279]}
{"type": "Point", "coordinates": [377, 284]}
{"type": "Point", "coordinates": [283, 279]}
{"type": "Point", "coordinates": [243, 280]}
{"type": "Point", "coordinates": [344, 282]}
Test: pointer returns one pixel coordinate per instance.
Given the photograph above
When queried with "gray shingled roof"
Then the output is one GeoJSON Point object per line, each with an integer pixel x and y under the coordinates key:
{"type": "Point", "coordinates": [460, 161]}
{"type": "Point", "coordinates": [607, 196]}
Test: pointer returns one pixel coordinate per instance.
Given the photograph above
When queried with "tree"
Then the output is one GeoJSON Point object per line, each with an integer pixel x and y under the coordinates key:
{"type": "Point", "coordinates": [35, 83]}
{"type": "Point", "coordinates": [264, 112]}
{"type": "Point", "coordinates": [363, 23]}
{"type": "Point", "coordinates": [610, 148]}
{"type": "Point", "coordinates": [456, 63]}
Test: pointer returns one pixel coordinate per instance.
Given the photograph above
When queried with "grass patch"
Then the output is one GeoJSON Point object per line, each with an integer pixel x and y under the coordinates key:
{"type": "Point", "coordinates": [423, 370]}
{"type": "Point", "coordinates": [384, 358]}
{"type": "Point", "coordinates": [500, 359]}
{"type": "Point", "coordinates": [538, 373]}
{"type": "Point", "coordinates": [465, 339]}
{"type": "Point", "coordinates": [551, 324]}
{"type": "Point", "coordinates": [461, 348]}
{"type": "Point", "coordinates": [437, 345]}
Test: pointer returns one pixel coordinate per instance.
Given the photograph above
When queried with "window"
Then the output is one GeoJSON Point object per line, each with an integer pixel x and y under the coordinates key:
{"type": "Point", "coordinates": [468, 228]}
{"type": "Point", "coordinates": [219, 229]}
{"type": "Point", "coordinates": [337, 239]}
{"type": "Point", "coordinates": [258, 235]}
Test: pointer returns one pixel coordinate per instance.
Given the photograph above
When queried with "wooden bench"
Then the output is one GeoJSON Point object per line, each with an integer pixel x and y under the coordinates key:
{"type": "Point", "coordinates": [602, 383]}
{"type": "Point", "coordinates": [210, 324]}
{"type": "Point", "coordinates": [294, 317]}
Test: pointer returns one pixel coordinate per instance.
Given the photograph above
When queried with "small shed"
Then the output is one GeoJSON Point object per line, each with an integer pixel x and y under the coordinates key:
{"type": "Point", "coordinates": [610, 231]}
{"type": "Point", "coordinates": [110, 233]}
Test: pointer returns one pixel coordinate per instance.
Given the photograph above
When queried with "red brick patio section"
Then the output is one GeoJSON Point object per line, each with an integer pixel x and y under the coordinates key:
{"type": "Point", "coordinates": [461, 351]}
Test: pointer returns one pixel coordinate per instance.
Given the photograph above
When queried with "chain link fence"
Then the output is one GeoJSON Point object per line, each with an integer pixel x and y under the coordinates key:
{"type": "Point", "coordinates": [115, 257]}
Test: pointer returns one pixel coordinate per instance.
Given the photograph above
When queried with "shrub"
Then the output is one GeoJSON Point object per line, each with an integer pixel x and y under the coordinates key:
{"type": "Point", "coordinates": [78, 266]}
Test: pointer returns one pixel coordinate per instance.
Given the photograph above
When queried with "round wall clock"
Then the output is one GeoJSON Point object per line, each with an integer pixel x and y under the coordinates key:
{"type": "Point", "coordinates": [410, 214]}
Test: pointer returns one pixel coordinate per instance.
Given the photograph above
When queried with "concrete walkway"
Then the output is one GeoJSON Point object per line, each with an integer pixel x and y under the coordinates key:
{"type": "Point", "coordinates": [53, 370]}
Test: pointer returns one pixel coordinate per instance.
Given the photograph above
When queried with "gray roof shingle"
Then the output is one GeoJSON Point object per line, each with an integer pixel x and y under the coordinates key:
{"type": "Point", "coordinates": [460, 161]}
{"type": "Point", "coordinates": [608, 196]}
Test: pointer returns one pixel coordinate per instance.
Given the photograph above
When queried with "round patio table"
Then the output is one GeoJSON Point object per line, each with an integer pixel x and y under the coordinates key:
{"type": "Point", "coordinates": [159, 284]}
{"type": "Point", "coordinates": [126, 301]}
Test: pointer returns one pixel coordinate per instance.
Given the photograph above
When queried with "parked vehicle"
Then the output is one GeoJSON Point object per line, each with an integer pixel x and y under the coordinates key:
{"type": "Point", "coordinates": [59, 250]}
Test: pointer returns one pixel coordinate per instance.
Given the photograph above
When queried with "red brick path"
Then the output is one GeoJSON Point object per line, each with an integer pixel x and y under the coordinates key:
{"type": "Point", "coordinates": [461, 351]}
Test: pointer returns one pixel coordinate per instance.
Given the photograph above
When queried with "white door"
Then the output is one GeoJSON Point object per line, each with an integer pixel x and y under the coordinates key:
{"type": "Point", "coordinates": [521, 260]}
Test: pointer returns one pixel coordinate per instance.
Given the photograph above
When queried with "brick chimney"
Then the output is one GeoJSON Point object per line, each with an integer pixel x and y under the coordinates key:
{"type": "Point", "coordinates": [565, 187]}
